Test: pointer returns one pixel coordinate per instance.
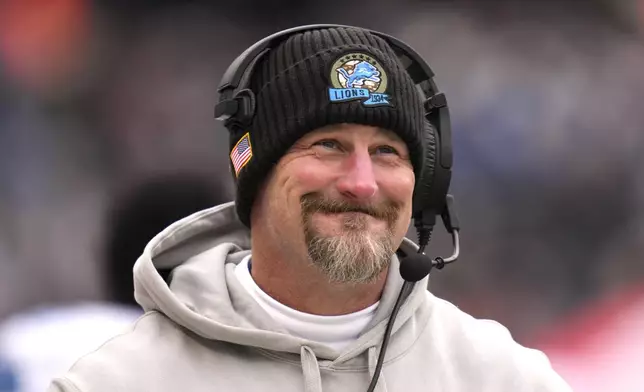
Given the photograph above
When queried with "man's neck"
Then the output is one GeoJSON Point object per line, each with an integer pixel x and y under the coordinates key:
{"type": "Point", "coordinates": [299, 285]}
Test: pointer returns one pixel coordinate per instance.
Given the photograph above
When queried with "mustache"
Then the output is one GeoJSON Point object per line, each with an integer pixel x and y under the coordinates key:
{"type": "Point", "coordinates": [313, 202]}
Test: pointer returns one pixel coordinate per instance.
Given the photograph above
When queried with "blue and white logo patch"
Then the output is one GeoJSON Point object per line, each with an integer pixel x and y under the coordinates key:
{"type": "Point", "coordinates": [358, 76]}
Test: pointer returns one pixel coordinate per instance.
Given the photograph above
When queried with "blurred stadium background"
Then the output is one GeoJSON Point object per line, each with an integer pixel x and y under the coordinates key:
{"type": "Point", "coordinates": [100, 98]}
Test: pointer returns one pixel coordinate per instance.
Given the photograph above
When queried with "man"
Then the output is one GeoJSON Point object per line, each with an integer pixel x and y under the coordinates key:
{"type": "Point", "coordinates": [291, 287]}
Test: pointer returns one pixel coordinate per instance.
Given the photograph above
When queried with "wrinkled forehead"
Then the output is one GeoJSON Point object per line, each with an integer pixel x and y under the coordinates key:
{"type": "Point", "coordinates": [353, 130]}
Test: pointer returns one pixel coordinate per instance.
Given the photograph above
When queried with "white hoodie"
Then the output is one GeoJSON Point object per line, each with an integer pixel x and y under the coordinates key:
{"type": "Point", "coordinates": [206, 333]}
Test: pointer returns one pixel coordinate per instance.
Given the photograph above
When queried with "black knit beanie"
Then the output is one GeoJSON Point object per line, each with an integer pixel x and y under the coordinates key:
{"type": "Point", "coordinates": [317, 78]}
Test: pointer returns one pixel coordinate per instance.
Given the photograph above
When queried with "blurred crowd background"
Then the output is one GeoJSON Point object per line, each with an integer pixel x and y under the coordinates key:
{"type": "Point", "coordinates": [107, 135]}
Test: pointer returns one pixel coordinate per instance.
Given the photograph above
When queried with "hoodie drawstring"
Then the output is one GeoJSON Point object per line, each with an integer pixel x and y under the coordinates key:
{"type": "Point", "coordinates": [311, 370]}
{"type": "Point", "coordinates": [373, 360]}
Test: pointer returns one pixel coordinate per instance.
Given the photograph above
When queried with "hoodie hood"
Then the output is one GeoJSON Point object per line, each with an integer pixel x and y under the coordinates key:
{"type": "Point", "coordinates": [205, 297]}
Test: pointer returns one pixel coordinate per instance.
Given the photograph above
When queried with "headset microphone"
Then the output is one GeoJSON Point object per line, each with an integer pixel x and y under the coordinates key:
{"type": "Point", "coordinates": [415, 267]}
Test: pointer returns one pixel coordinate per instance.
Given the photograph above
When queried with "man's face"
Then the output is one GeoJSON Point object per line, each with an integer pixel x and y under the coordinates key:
{"type": "Point", "coordinates": [342, 196]}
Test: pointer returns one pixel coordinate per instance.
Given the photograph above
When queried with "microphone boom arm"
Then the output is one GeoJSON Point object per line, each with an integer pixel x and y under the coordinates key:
{"type": "Point", "coordinates": [440, 262]}
{"type": "Point", "coordinates": [450, 220]}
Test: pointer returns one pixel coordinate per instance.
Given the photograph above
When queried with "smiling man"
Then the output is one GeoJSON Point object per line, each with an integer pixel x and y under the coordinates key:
{"type": "Point", "coordinates": [292, 286]}
{"type": "Point", "coordinates": [332, 213]}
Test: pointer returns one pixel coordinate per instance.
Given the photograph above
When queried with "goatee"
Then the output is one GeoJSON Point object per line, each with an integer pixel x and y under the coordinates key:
{"type": "Point", "coordinates": [356, 256]}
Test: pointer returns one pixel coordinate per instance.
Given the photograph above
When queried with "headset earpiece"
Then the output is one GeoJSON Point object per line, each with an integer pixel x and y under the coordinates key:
{"type": "Point", "coordinates": [424, 184]}
{"type": "Point", "coordinates": [437, 112]}
{"type": "Point", "coordinates": [431, 190]}
{"type": "Point", "coordinates": [246, 106]}
{"type": "Point", "coordinates": [241, 107]}
{"type": "Point", "coordinates": [225, 109]}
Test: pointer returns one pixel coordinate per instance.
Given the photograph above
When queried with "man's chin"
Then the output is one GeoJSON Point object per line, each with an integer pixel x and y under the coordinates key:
{"type": "Point", "coordinates": [350, 258]}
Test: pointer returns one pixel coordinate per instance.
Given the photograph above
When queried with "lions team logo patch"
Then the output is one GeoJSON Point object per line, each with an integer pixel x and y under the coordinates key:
{"type": "Point", "coordinates": [358, 76]}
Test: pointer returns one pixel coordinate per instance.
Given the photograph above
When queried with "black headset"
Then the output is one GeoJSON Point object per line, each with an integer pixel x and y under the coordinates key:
{"type": "Point", "coordinates": [236, 105]}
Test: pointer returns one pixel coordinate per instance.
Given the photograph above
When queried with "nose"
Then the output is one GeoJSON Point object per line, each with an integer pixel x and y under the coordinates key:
{"type": "Point", "coordinates": [358, 181]}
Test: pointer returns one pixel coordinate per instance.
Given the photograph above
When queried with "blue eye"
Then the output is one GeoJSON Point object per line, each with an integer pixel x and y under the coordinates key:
{"type": "Point", "coordinates": [387, 150]}
{"type": "Point", "coordinates": [330, 144]}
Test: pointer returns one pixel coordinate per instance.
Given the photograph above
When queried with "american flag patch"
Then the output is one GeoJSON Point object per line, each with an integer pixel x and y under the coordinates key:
{"type": "Point", "coordinates": [241, 154]}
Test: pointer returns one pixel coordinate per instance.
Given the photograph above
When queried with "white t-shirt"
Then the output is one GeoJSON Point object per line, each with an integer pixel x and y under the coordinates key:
{"type": "Point", "coordinates": [335, 331]}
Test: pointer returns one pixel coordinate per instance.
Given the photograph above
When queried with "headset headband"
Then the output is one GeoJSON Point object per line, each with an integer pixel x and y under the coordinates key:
{"type": "Point", "coordinates": [417, 68]}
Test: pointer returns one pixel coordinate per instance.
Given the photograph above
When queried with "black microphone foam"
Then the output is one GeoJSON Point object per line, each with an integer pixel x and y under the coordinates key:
{"type": "Point", "coordinates": [415, 267]}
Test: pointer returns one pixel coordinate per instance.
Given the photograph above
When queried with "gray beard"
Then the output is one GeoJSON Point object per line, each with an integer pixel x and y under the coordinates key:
{"type": "Point", "coordinates": [356, 257]}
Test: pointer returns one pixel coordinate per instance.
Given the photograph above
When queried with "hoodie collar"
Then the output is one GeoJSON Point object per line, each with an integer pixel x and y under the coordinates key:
{"type": "Point", "coordinates": [206, 298]}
